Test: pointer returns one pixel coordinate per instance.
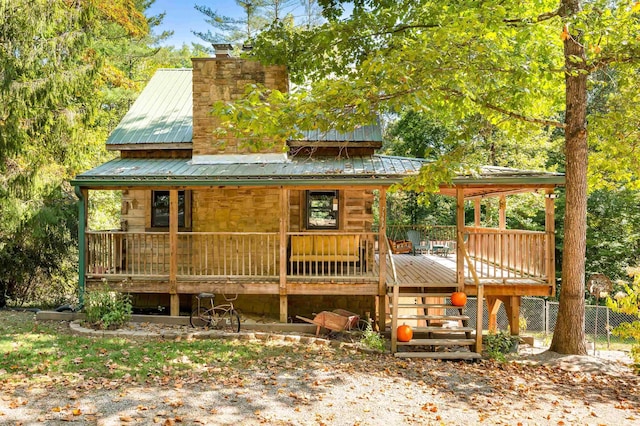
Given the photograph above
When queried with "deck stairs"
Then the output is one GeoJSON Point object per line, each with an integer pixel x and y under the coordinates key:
{"type": "Point", "coordinates": [440, 330]}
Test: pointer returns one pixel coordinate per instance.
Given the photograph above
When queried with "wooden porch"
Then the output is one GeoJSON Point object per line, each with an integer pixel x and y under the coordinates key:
{"type": "Point", "coordinates": [432, 269]}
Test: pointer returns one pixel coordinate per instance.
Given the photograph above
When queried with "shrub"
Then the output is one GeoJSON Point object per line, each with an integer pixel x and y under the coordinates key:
{"type": "Point", "coordinates": [372, 339]}
{"type": "Point", "coordinates": [497, 345]}
{"type": "Point", "coordinates": [628, 302]}
{"type": "Point", "coordinates": [107, 309]}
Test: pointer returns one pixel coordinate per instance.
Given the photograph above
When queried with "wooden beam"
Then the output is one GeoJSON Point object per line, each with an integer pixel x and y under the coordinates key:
{"type": "Point", "coordinates": [479, 311]}
{"type": "Point", "coordinates": [382, 255]}
{"type": "Point", "coordinates": [502, 210]}
{"type": "Point", "coordinates": [510, 289]}
{"type": "Point", "coordinates": [173, 252]}
{"type": "Point", "coordinates": [460, 224]}
{"type": "Point", "coordinates": [476, 212]}
{"type": "Point", "coordinates": [550, 230]}
{"type": "Point", "coordinates": [284, 227]}
{"type": "Point", "coordinates": [512, 306]}
{"type": "Point", "coordinates": [325, 288]}
{"type": "Point", "coordinates": [493, 305]}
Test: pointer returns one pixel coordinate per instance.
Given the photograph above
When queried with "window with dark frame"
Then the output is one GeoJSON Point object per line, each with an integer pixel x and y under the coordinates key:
{"type": "Point", "coordinates": [160, 209]}
{"type": "Point", "coordinates": [322, 209]}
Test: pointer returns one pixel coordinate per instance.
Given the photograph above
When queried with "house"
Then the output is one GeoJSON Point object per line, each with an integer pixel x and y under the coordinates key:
{"type": "Point", "coordinates": [291, 232]}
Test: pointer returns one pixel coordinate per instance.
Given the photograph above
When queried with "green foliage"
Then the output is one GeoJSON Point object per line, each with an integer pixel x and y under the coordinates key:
{"type": "Point", "coordinates": [106, 308]}
{"type": "Point", "coordinates": [69, 73]}
{"type": "Point", "coordinates": [372, 339]}
{"type": "Point", "coordinates": [497, 345]}
{"type": "Point", "coordinates": [228, 29]}
{"type": "Point", "coordinates": [628, 302]}
{"type": "Point", "coordinates": [38, 258]}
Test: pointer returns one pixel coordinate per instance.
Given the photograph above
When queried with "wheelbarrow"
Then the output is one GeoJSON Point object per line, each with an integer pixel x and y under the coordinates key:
{"type": "Point", "coordinates": [339, 320]}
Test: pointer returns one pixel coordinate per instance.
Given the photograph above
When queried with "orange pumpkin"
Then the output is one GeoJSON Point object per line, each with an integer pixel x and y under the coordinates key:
{"type": "Point", "coordinates": [458, 298]}
{"type": "Point", "coordinates": [405, 333]}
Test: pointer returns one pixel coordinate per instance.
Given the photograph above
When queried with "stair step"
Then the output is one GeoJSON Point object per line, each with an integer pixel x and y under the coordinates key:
{"type": "Point", "coordinates": [435, 317]}
{"type": "Point", "coordinates": [443, 330]}
{"type": "Point", "coordinates": [438, 342]}
{"type": "Point", "coordinates": [439, 294]}
{"type": "Point", "coordinates": [426, 305]}
{"type": "Point", "coordinates": [421, 294]}
{"type": "Point", "coordinates": [423, 285]}
{"type": "Point", "coordinates": [439, 355]}
{"type": "Point", "coordinates": [439, 284]}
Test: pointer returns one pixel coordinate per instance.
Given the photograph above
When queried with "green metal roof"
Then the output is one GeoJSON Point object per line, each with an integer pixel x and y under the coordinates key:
{"type": "Point", "coordinates": [369, 133]}
{"type": "Point", "coordinates": [374, 170]}
{"type": "Point", "coordinates": [162, 114]}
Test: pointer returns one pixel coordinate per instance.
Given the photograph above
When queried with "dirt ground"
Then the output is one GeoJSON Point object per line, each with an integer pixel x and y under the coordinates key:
{"type": "Point", "coordinates": [346, 387]}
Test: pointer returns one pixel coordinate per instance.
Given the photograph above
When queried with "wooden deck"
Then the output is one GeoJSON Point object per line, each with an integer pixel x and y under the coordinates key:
{"type": "Point", "coordinates": [434, 269]}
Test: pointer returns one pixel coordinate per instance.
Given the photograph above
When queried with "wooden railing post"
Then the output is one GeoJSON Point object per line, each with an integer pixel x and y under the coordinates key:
{"type": "Point", "coordinates": [284, 225]}
{"type": "Point", "coordinates": [382, 256]}
{"type": "Point", "coordinates": [550, 247]}
{"type": "Point", "coordinates": [460, 224]}
{"type": "Point", "coordinates": [173, 253]}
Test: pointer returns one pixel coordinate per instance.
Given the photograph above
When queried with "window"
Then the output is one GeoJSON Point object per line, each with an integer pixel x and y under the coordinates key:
{"type": "Point", "coordinates": [160, 209]}
{"type": "Point", "coordinates": [322, 209]}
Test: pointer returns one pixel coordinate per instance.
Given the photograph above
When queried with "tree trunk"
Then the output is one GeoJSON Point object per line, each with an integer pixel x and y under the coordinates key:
{"type": "Point", "coordinates": [569, 336]}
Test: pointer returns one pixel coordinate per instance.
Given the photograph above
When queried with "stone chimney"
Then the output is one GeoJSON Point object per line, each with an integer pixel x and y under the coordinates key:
{"type": "Point", "coordinates": [223, 50]}
{"type": "Point", "coordinates": [224, 78]}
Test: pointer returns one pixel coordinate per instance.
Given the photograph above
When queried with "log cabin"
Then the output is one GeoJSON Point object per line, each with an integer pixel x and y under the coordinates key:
{"type": "Point", "coordinates": [293, 231]}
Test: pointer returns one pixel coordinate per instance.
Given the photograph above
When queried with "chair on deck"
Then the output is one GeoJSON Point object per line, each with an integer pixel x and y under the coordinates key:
{"type": "Point", "coordinates": [417, 246]}
{"type": "Point", "coordinates": [442, 249]}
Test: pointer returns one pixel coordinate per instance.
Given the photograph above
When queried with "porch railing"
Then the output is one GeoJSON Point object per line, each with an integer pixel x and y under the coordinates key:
{"type": "Point", "coordinates": [427, 232]}
{"type": "Point", "coordinates": [507, 254]}
{"type": "Point", "coordinates": [243, 254]}
{"type": "Point", "coordinates": [326, 255]}
{"type": "Point", "coordinates": [231, 254]}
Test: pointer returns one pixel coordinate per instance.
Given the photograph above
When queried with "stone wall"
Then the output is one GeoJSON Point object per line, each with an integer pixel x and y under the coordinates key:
{"type": "Point", "coordinates": [225, 79]}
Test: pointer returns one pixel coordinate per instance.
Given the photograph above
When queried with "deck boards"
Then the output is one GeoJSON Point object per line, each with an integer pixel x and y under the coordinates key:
{"type": "Point", "coordinates": [434, 269]}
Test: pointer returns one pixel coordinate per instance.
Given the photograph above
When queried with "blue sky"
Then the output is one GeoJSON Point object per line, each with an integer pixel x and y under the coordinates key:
{"type": "Point", "coordinates": [181, 17]}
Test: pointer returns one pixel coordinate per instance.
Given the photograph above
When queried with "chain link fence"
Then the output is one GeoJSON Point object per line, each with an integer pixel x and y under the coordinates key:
{"type": "Point", "coordinates": [539, 316]}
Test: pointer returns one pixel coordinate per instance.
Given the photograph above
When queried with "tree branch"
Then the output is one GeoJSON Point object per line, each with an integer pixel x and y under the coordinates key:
{"type": "Point", "coordinates": [510, 114]}
{"type": "Point", "coordinates": [603, 62]}
{"type": "Point", "coordinates": [517, 116]}
{"type": "Point", "coordinates": [540, 18]}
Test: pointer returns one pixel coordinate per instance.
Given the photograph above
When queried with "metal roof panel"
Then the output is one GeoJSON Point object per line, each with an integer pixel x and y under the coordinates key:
{"type": "Point", "coordinates": [162, 113]}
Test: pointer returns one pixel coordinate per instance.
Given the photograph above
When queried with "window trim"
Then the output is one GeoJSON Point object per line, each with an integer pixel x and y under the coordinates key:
{"type": "Point", "coordinates": [187, 211]}
{"type": "Point", "coordinates": [336, 196]}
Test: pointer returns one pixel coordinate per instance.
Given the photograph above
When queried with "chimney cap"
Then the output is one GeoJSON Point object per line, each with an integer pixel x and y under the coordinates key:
{"type": "Point", "coordinates": [223, 50]}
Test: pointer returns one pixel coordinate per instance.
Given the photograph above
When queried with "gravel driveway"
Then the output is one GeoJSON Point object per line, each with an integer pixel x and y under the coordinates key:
{"type": "Point", "coordinates": [344, 386]}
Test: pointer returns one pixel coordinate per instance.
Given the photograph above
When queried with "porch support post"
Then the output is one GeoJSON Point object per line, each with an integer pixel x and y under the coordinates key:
{"type": "Point", "coordinates": [382, 247]}
{"type": "Point", "coordinates": [83, 197]}
{"type": "Point", "coordinates": [476, 212]}
{"type": "Point", "coordinates": [550, 230]}
{"type": "Point", "coordinates": [502, 210]}
{"type": "Point", "coordinates": [493, 305]}
{"type": "Point", "coordinates": [460, 228]}
{"type": "Point", "coordinates": [284, 225]}
{"type": "Point", "coordinates": [174, 308]}
{"type": "Point", "coordinates": [512, 306]}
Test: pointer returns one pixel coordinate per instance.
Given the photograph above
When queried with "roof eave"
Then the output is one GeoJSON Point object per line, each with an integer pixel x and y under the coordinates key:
{"type": "Point", "coordinates": [315, 180]}
{"type": "Point", "coordinates": [148, 146]}
{"type": "Point", "coordinates": [557, 180]}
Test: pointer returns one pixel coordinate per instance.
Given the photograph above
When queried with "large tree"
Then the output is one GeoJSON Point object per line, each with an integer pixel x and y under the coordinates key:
{"type": "Point", "coordinates": [58, 75]}
{"type": "Point", "coordinates": [517, 63]}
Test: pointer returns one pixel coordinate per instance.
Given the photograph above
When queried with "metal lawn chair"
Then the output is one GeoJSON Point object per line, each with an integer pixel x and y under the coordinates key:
{"type": "Point", "coordinates": [416, 243]}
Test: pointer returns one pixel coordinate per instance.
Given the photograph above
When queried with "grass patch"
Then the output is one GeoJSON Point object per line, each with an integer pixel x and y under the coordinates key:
{"type": "Point", "coordinates": [41, 351]}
